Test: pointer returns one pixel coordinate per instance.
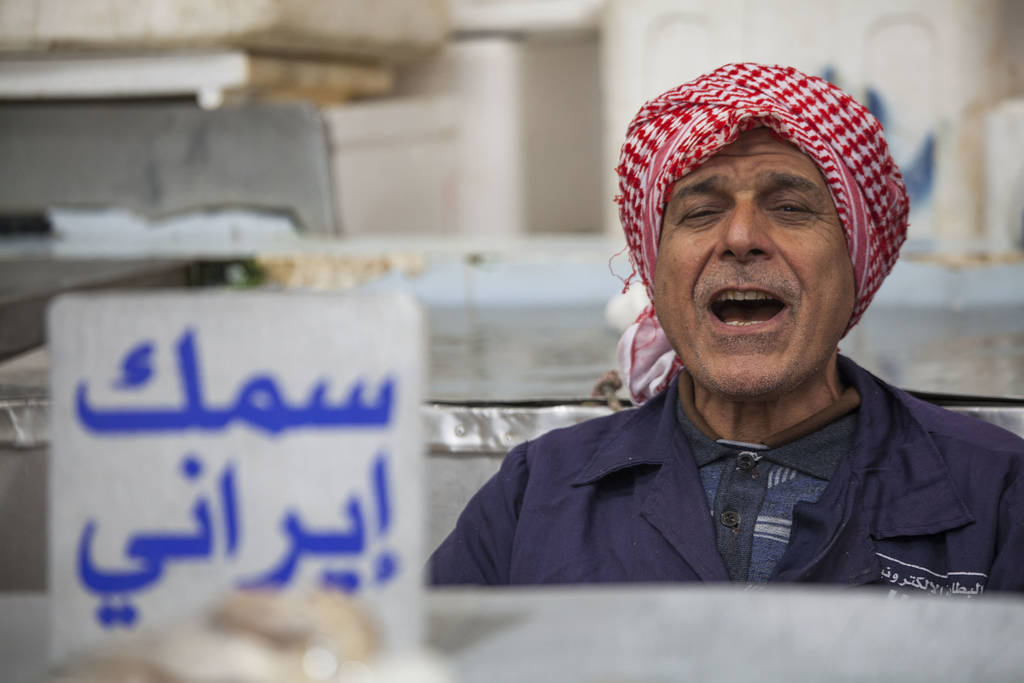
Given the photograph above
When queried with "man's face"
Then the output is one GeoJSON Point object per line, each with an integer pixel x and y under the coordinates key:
{"type": "Point", "coordinates": [754, 285]}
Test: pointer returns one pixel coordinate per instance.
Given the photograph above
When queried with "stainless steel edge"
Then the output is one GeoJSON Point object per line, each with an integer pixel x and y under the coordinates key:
{"type": "Point", "coordinates": [496, 429]}
{"type": "Point", "coordinates": [1010, 418]}
{"type": "Point", "coordinates": [448, 429]}
{"type": "Point", "coordinates": [24, 422]}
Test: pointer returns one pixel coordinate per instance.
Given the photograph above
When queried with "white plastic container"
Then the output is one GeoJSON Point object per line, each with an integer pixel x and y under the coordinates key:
{"type": "Point", "coordinates": [528, 115]}
{"type": "Point", "coordinates": [393, 166]}
{"type": "Point", "coordinates": [1004, 176]}
{"type": "Point", "coordinates": [386, 29]}
{"type": "Point", "coordinates": [484, 78]}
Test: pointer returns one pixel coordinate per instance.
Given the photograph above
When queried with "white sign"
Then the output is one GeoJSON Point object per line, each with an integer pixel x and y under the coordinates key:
{"type": "Point", "coordinates": [210, 441]}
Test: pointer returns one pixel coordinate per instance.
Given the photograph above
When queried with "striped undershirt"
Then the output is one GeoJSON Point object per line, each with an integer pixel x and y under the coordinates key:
{"type": "Point", "coordinates": [752, 488]}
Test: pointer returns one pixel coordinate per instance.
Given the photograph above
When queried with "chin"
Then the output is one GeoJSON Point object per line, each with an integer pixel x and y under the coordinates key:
{"type": "Point", "coordinates": [745, 387]}
{"type": "Point", "coordinates": [745, 379]}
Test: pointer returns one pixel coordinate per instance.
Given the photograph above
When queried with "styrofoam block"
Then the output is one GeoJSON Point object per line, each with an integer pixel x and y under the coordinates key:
{"type": "Point", "coordinates": [360, 123]}
{"type": "Point", "coordinates": [119, 228]}
{"type": "Point", "coordinates": [1004, 176]}
{"type": "Point", "coordinates": [528, 114]}
{"type": "Point", "coordinates": [489, 81]}
{"type": "Point", "coordinates": [562, 159]}
{"type": "Point", "coordinates": [484, 77]}
{"type": "Point", "coordinates": [393, 166]}
{"type": "Point", "coordinates": [209, 74]}
{"type": "Point", "coordinates": [380, 28]}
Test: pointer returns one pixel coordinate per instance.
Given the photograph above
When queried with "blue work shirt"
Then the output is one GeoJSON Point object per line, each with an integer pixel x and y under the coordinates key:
{"type": "Point", "coordinates": [926, 500]}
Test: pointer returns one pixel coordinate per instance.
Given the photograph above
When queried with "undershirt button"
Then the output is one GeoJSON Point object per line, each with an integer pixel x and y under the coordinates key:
{"type": "Point", "coordinates": [730, 518]}
{"type": "Point", "coordinates": [746, 461]}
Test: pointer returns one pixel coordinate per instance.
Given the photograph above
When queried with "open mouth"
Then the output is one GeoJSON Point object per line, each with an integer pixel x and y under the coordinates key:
{"type": "Point", "coordinates": [734, 307]}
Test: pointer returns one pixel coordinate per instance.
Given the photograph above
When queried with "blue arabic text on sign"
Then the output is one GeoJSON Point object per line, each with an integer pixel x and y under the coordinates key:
{"type": "Point", "coordinates": [258, 402]}
{"type": "Point", "coordinates": [151, 552]}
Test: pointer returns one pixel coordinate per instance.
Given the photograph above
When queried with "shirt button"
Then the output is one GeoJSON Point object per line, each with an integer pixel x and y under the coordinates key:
{"type": "Point", "coordinates": [745, 461]}
{"type": "Point", "coordinates": [731, 519]}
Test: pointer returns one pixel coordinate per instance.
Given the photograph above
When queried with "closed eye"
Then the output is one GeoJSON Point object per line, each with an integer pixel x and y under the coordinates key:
{"type": "Point", "coordinates": [791, 208]}
{"type": "Point", "coordinates": [790, 211]}
{"type": "Point", "coordinates": [698, 215]}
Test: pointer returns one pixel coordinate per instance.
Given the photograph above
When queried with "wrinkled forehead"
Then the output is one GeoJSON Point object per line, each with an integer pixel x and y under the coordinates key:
{"type": "Point", "coordinates": [758, 139]}
{"type": "Point", "coordinates": [760, 148]}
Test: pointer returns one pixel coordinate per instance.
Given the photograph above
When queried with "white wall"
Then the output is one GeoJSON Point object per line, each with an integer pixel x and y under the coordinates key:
{"type": "Point", "coordinates": [931, 69]}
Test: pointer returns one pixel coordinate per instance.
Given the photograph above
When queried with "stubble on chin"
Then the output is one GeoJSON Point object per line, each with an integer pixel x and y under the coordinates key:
{"type": "Point", "coordinates": [735, 384]}
{"type": "Point", "coordinates": [744, 377]}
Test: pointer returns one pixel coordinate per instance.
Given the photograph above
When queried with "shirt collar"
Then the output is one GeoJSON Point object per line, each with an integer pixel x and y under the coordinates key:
{"type": "Point", "coordinates": [894, 457]}
{"type": "Point", "coordinates": [649, 436]}
{"type": "Point", "coordinates": [845, 403]}
{"type": "Point", "coordinates": [905, 471]}
{"type": "Point", "coordinates": [816, 454]}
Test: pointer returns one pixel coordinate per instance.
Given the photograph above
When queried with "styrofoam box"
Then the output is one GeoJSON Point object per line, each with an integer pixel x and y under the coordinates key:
{"type": "Point", "coordinates": [528, 120]}
{"type": "Point", "coordinates": [1004, 176]}
{"type": "Point", "coordinates": [393, 166]}
{"type": "Point", "coordinates": [388, 29]}
{"type": "Point", "coordinates": [483, 76]}
{"type": "Point", "coordinates": [929, 70]}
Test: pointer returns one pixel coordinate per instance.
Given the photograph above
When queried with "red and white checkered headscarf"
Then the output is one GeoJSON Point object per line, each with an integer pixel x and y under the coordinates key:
{"type": "Point", "coordinates": [679, 130]}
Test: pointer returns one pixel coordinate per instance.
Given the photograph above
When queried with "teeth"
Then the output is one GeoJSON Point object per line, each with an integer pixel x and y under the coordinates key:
{"type": "Point", "coordinates": [742, 323]}
{"type": "Point", "coordinates": [737, 295]}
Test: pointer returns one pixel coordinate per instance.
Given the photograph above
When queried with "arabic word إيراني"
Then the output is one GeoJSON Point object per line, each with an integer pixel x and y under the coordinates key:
{"type": "Point", "coordinates": [151, 552]}
{"type": "Point", "coordinates": [305, 543]}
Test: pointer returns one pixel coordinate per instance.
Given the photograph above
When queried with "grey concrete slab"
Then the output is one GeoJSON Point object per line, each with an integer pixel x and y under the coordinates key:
{"type": "Point", "coordinates": [649, 634]}
{"type": "Point", "coordinates": [164, 157]}
{"type": "Point", "coordinates": [656, 634]}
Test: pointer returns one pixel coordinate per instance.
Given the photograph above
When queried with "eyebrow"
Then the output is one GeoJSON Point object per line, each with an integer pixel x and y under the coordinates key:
{"type": "Point", "coordinates": [712, 185]}
{"type": "Point", "coordinates": [774, 180]}
{"type": "Point", "coordinates": [770, 181]}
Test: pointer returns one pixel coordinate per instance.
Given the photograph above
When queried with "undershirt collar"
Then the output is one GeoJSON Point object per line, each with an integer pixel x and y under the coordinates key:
{"type": "Point", "coordinates": [847, 402]}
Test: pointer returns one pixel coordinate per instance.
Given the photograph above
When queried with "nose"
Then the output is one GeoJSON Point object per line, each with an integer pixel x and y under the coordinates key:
{"type": "Point", "coordinates": [745, 234]}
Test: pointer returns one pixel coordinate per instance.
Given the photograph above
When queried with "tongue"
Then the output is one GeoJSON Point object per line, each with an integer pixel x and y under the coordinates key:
{"type": "Point", "coordinates": [748, 311]}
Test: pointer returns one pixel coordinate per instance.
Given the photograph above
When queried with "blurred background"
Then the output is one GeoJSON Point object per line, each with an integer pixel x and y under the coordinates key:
{"type": "Point", "coordinates": [463, 150]}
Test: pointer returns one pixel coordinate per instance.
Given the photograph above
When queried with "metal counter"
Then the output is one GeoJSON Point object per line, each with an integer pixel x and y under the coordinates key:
{"type": "Point", "coordinates": [656, 634]}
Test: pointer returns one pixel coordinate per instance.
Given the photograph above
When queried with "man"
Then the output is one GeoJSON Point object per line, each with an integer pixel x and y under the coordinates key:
{"type": "Point", "coordinates": [762, 211]}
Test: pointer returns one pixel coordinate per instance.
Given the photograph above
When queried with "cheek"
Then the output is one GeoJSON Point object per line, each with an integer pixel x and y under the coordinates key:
{"type": "Point", "coordinates": [673, 300]}
{"type": "Point", "coordinates": [661, 298]}
{"type": "Point", "coordinates": [663, 291]}
{"type": "Point", "coordinates": [668, 278]}
{"type": "Point", "coordinates": [836, 276]}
